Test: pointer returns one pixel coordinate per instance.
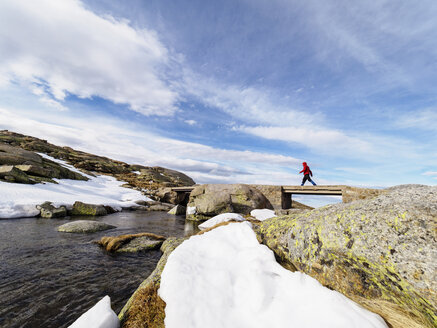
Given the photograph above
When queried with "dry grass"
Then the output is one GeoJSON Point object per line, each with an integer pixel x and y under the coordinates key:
{"type": "Point", "coordinates": [394, 315]}
{"type": "Point", "coordinates": [147, 310]}
{"type": "Point", "coordinates": [111, 244]}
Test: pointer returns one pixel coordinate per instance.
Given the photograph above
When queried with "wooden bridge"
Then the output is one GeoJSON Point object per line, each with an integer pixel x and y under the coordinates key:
{"type": "Point", "coordinates": [288, 191]}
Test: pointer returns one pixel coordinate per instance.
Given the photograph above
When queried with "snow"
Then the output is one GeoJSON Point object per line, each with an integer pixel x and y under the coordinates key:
{"type": "Point", "coordinates": [191, 210]}
{"type": "Point", "coordinates": [219, 219]}
{"type": "Point", "coordinates": [262, 215]}
{"type": "Point", "coordinates": [225, 278]}
{"type": "Point", "coordinates": [99, 316]}
{"type": "Point", "coordinates": [19, 200]}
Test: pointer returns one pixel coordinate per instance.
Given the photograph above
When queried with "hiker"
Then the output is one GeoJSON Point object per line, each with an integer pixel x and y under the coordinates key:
{"type": "Point", "coordinates": [306, 174]}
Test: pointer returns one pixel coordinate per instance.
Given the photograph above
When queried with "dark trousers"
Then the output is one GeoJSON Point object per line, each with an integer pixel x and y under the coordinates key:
{"type": "Point", "coordinates": [307, 177]}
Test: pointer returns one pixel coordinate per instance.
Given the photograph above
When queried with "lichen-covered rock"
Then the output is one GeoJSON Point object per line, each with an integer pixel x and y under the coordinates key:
{"type": "Point", "coordinates": [178, 210]}
{"type": "Point", "coordinates": [131, 243]}
{"type": "Point", "coordinates": [84, 226]}
{"type": "Point", "coordinates": [209, 200]}
{"type": "Point", "coordinates": [145, 308]}
{"type": "Point", "coordinates": [374, 250]}
{"type": "Point", "coordinates": [48, 211]}
{"type": "Point", "coordinates": [80, 208]}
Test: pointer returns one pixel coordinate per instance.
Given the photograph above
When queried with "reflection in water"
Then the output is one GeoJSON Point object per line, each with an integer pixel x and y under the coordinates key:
{"type": "Point", "coordinates": [49, 278]}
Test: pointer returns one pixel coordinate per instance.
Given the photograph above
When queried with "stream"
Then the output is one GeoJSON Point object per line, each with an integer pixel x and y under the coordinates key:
{"type": "Point", "coordinates": [48, 278]}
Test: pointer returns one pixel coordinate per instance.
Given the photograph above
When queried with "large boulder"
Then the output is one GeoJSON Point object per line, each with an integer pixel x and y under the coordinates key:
{"type": "Point", "coordinates": [80, 208]}
{"type": "Point", "coordinates": [380, 252]}
{"type": "Point", "coordinates": [210, 200]}
{"type": "Point", "coordinates": [84, 226]}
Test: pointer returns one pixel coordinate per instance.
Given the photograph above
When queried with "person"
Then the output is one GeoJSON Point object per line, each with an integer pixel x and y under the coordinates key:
{"type": "Point", "coordinates": [306, 174]}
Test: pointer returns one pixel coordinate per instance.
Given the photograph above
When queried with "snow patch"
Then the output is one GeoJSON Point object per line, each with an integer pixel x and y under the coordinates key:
{"type": "Point", "coordinates": [262, 215]}
{"type": "Point", "coordinates": [19, 200]}
{"type": "Point", "coordinates": [191, 210]}
{"type": "Point", "coordinates": [99, 316]}
{"type": "Point", "coordinates": [219, 219]}
{"type": "Point", "coordinates": [225, 278]}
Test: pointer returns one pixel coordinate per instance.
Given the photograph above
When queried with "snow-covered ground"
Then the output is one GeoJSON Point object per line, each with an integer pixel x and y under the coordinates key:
{"type": "Point", "coordinates": [225, 278]}
{"type": "Point", "coordinates": [19, 200]}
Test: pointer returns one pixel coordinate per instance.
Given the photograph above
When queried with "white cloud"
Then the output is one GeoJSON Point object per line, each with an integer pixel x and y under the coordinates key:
{"type": "Point", "coordinates": [63, 48]}
{"type": "Point", "coordinates": [430, 173]}
{"type": "Point", "coordinates": [124, 141]}
{"type": "Point", "coordinates": [191, 122]}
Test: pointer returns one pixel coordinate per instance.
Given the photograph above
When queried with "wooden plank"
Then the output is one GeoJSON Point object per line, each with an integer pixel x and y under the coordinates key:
{"type": "Point", "coordinates": [182, 189]}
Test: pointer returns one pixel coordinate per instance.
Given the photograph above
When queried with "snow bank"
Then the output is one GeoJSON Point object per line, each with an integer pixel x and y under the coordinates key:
{"type": "Point", "coordinates": [225, 278]}
{"type": "Point", "coordinates": [262, 215]}
{"type": "Point", "coordinates": [19, 200]}
{"type": "Point", "coordinates": [219, 219]}
{"type": "Point", "coordinates": [99, 316]}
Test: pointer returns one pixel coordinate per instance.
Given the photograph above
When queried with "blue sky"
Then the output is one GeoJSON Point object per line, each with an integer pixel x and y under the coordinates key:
{"type": "Point", "coordinates": [230, 91]}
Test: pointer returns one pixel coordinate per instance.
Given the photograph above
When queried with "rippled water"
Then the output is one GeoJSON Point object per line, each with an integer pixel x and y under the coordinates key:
{"type": "Point", "coordinates": [48, 278]}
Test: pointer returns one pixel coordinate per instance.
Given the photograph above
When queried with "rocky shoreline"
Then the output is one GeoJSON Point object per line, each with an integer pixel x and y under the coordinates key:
{"type": "Point", "coordinates": [378, 247]}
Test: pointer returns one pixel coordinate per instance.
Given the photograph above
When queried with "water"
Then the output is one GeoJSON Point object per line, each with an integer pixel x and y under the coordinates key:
{"type": "Point", "coordinates": [48, 278]}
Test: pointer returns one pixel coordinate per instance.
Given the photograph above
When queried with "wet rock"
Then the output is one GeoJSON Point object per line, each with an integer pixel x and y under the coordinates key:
{"type": "Point", "coordinates": [160, 207]}
{"type": "Point", "coordinates": [131, 243]}
{"type": "Point", "coordinates": [48, 211]}
{"type": "Point", "coordinates": [178, 210]}
{"type": "Point", "coordinates": [84, 226]}
{"type": "Point", "coordinates": [207, 200]}
{"type": "Point", "coordinates": [380, 252]}
{"type": "Point", "coordinates": [80, 208]}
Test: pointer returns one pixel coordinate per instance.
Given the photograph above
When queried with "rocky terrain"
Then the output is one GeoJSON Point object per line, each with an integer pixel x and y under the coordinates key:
{"type": "Point", "coordinates": [380, 252]}
{"type": "Point", "coordinates": [19, 162]}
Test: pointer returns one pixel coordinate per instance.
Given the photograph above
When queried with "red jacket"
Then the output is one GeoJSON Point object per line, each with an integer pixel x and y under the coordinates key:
{"type": "Point", "coordinates": [306, 170]}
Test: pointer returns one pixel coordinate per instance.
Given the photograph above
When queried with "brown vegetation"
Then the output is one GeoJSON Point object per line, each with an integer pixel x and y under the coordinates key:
{"type": "Point", "coordinates": [147, 309]}
{"type": "Point", "coordinates": [112, 243]}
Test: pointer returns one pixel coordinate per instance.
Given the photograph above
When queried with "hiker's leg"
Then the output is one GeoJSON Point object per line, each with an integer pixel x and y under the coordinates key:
{"type": "Point", "coordinates": [305, 178]}
{"type": "Point", "coordinates": [314, 184]}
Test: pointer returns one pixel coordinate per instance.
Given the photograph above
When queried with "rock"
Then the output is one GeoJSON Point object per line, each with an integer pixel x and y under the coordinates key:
{"type": "Point", "coordinates": [380, 252]}
{"type": "Point", "coordinates": [145, 308]}
{"type": "Point", "coordinates": [132, 243]}
{"type": "Point", "coordinates": [209, 200]}
{"type": "Point", "coordinates": [178, 210]}
{"type": "Point", "coordinates": [87, 226]}
{"type": "Point", "coordinates": [35, 170]}
{"type": "Point", "coordinates": [10, 155]}
{"type": "Point", "coordinates": [49, 211]}
{"type": "Point", "coordinates": [12, 174]}
{"type": "Point", "coordinates": [80, 208]}
{"type": "Point", "coordinates": [351, 194]}
{"type": "Point", "coordinates": [160, 207]}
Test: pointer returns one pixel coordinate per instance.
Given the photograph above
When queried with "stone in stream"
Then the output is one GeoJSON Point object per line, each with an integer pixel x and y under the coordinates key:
{"type": "Point", "coordinates": [49, 211]}
{"type": "Point", "coordinates": [87, 226]}
{"type": "Point", "coordinates": [80, 208]}
{"type": "Point", "coordinates": [131, 243]}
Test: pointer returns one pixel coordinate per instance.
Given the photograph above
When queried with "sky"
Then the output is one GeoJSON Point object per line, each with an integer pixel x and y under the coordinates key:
{"type": "Point", "coordinates": [232, 91]}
